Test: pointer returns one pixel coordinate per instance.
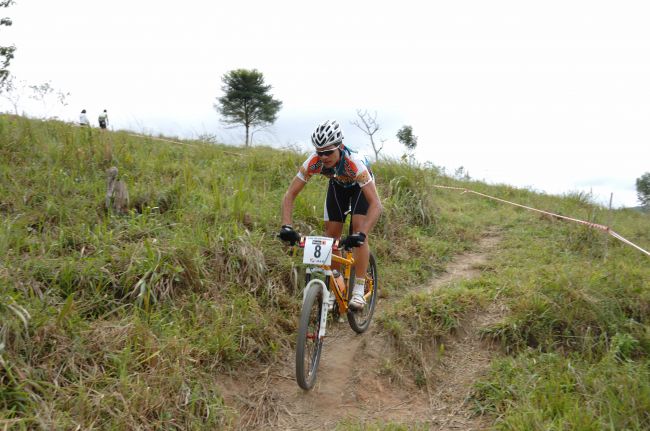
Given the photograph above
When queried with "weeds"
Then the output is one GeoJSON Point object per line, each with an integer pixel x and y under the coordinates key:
{"type": "Point", "coordinates": [125, 322]}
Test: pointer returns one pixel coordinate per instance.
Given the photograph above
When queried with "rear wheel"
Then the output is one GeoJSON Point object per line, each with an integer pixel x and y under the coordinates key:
{"type": "Point", "coordinates": [308, 346]}
{"type": "Point", "coordinates": [360, 320]}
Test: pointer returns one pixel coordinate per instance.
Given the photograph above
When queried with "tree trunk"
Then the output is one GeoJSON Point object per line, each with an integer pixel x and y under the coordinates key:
{"type": "Point", "coordinates": [372, 142]}
{"type": "Point", "coordinates": [247, 126]}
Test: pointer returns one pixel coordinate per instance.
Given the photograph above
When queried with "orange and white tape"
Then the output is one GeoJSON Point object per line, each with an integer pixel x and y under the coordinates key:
{"type": "Point", "coordinates": [586, 223]}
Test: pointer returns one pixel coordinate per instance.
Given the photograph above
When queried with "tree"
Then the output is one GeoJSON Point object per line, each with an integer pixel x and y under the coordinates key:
{"type": "Point", "coordinates": [369, 126]}
{"type": "Point", "coordinates": [6, 52]}
{"type": "Point", "coordinates": [643, 189]}
{"type": "Point", "coordinates": [13, 91]}
{"type": "Point", "coordinates": [461, 174]}
{"type": "Point", "coordinates": [45, 92]}
{"type": "Point", "coordinates": [246, 100]}
{"type": "Point", "coordinates": [408, 139]}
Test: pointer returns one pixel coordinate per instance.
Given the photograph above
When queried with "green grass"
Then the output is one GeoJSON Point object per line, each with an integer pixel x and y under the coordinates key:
{"type": "Point", "coordinates": [124, 322]}
{"type": "Point", "coordinates": [577, 334]}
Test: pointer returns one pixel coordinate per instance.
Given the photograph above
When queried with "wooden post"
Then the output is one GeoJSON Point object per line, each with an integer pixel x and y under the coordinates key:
{"type": "Point", "coordinates": [116, 192]}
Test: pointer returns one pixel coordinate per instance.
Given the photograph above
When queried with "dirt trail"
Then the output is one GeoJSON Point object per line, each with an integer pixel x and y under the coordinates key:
{"type": "Point", "coordinates": [349, 386]}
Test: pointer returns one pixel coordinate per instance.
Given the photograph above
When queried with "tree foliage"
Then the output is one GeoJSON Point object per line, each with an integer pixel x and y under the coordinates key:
{"type": "Point", "coordinates": [6, 52]}
{"type": "Point", "coordinates": [246, 100]}
{"type": "Point", "coordinates": [643, 189]}
{"type": "Point", "coordinates": [45, 94]}
{"type": "Point", "coordinates": [407, 138]}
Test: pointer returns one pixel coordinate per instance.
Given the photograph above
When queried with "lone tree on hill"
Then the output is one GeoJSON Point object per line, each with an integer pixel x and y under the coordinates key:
{"type": "Point", "coordinates": [643, 189]}
{"type": "Point", "coordinates": [246, 100]}
{"type": "Point", "coordinates": [408, 139]}
{"type": "Point", "coordinates": [6, 52]}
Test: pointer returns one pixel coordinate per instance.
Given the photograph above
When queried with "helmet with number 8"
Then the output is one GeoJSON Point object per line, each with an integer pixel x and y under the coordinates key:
{"type": "Point", "coordinates": [326, 134]}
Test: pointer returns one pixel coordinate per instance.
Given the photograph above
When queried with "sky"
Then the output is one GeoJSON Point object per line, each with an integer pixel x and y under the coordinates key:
{"type": "Point", "coordinates": [553, 96]}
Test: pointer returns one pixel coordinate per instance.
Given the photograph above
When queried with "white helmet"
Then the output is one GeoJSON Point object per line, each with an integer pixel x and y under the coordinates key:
{"type": "Point", "coordinates": [326, 134]}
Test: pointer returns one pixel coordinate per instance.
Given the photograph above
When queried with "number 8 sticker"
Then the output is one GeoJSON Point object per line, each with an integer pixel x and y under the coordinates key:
{"type": "Point", "coordinates": [318, 250]}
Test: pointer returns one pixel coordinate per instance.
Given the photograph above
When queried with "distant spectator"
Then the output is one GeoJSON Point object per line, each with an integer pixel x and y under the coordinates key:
{"type": "Point", "coordinates": [83, 119]}
{"type": "Point", "coordinates": [103, 119]}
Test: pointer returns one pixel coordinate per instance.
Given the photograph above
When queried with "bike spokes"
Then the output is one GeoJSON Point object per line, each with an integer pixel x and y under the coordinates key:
{"type": "Point", "coordinates": [309, 344]}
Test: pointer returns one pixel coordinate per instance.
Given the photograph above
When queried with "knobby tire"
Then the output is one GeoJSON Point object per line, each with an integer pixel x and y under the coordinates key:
{"type": "Point", "coordinates": [360, 320]}
{"type": "Point", "coordinates": [308, 346]}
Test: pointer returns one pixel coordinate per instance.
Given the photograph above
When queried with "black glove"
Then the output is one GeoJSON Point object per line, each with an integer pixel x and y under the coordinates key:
{"type": "Point", "coordinates": [354, 240]}
{"type": "Point", "coordinates": [288, 234]}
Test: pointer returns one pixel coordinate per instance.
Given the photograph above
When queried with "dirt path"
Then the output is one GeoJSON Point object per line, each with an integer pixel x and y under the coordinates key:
{"type": "Point", "coordinates": [349, 386]}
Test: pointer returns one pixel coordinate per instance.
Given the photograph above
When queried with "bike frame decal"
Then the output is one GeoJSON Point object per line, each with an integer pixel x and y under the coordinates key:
{"type": "Point", "coordinates": [323, 313]}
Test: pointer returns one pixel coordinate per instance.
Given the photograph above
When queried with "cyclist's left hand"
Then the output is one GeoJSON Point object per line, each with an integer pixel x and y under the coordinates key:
{"type": "Point", "coordinates": [355, 240]}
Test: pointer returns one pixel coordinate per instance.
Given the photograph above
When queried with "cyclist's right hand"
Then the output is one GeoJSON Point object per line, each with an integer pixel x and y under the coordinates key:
{"type": "Point", "coordinates": [288, 234]}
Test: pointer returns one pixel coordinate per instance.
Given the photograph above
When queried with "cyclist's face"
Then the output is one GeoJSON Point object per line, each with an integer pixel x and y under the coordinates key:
{"type": "Point", "coordinates": [329, 155]}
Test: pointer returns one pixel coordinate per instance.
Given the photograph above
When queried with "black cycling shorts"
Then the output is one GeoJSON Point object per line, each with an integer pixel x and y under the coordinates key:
{"type": "Point", "coordinates": [340, 199]}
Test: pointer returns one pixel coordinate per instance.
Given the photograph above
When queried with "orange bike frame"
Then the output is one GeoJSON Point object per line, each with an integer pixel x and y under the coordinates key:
{"type": "Point", "coordinates": [347, 262]}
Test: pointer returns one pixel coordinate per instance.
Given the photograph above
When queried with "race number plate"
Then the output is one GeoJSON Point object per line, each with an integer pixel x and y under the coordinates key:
{"type": "Point", "coordinates": [318, 250]}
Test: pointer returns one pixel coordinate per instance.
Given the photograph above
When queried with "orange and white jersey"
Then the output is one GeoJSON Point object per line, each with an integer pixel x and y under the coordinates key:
{"type": "Point", "coordinates": [353, 168]}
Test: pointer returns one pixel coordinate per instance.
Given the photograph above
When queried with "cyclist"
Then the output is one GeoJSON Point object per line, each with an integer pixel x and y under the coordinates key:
{"type": "Point", "coordinates": [351, 185]}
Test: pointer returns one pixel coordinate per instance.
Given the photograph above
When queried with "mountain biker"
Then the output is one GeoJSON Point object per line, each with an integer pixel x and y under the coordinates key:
{"type": "Point", "coordinates": [351, 185]}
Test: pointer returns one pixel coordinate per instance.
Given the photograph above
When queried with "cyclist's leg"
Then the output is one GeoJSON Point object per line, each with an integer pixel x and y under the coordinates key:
{"type": "Point", "coordinates": [334, 213]}
{"type": "Point", "coordinates": [333, 229]}
{"type": "Point", "coordinates": [359, 211]}
{"type": "Point", "coordinates": [361, 254]}
{"type": "Point", "coordinates": [334, 217]}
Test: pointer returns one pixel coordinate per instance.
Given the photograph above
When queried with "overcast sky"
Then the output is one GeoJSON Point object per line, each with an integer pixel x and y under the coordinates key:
{"type": "Point", "coordinates": [552, 95]}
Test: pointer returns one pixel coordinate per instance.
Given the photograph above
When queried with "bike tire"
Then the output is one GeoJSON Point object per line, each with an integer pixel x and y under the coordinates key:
{"type": "Point", "coordinates": [360, 320]}
{"type": "Point", "coordinates": [308, 345]}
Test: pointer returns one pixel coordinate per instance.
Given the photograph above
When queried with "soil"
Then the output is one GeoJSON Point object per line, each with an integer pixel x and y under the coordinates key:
{"type": "Point", "coordinates": [351, 387]}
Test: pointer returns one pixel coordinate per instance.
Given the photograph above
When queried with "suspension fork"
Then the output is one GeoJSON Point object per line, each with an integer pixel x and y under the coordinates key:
{"type": "Point", "coordinates": [319, 284]}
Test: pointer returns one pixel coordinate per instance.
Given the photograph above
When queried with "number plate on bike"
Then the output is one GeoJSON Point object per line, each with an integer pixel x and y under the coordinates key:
{"type": "Point", "coordinates": [318, 250]}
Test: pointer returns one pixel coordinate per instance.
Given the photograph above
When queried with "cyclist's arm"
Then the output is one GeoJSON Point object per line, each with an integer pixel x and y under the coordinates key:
{"type": "Point", "coordinates": [295, 187]}
{"type": "Point", "coordinates": [374, 206]}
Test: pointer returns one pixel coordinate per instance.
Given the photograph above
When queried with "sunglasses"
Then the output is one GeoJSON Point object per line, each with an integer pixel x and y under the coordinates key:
{"type": "Point", "coordinates": [326, 152]}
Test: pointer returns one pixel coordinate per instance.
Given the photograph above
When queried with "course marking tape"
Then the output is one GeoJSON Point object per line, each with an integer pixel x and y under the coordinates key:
{"type": "Point", "coordinates": [586, 223]}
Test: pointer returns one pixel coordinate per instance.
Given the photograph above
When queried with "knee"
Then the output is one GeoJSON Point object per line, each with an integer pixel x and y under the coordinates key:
{"type": "Point", "coordinates": [333, 231]}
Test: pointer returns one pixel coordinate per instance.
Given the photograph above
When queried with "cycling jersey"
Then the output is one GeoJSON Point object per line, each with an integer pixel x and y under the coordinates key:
{"type": "Point", "coordinates": [353, 169]}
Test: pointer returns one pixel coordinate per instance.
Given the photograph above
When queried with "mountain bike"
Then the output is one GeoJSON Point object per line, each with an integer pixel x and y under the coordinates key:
{"type": "Point", "coordinates": [321, 281]}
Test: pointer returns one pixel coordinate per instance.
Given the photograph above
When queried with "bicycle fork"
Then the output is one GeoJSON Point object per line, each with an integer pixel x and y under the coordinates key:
{"type": "Point", "coordinates": [319, 284]}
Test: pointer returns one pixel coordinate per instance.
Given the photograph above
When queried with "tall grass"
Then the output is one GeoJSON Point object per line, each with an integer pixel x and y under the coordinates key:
{"type": "Point", "coordinates": [127, 322]}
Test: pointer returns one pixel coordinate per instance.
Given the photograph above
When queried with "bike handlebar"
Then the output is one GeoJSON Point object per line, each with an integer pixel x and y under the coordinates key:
{"type": "Point", "coordinates": [336, 246]}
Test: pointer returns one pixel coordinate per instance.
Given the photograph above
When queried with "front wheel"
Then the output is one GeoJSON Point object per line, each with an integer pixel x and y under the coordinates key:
{"type": "Point", "coordinates": [309, 345]}
{"type": "Point", "coordinates": [360, 320]}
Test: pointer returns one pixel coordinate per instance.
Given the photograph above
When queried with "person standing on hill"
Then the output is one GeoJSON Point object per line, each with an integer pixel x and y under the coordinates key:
{"type": "Point", "coordinates": [351, 186]}
{"type": "Point", "coordinates": [83, 119]}
{"type": "Point", "coordinates": [103, 119]}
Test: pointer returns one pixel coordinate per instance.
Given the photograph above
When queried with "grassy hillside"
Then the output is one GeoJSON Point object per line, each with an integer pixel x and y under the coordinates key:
{"type": "Point", "coordinates": [116, 322]}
